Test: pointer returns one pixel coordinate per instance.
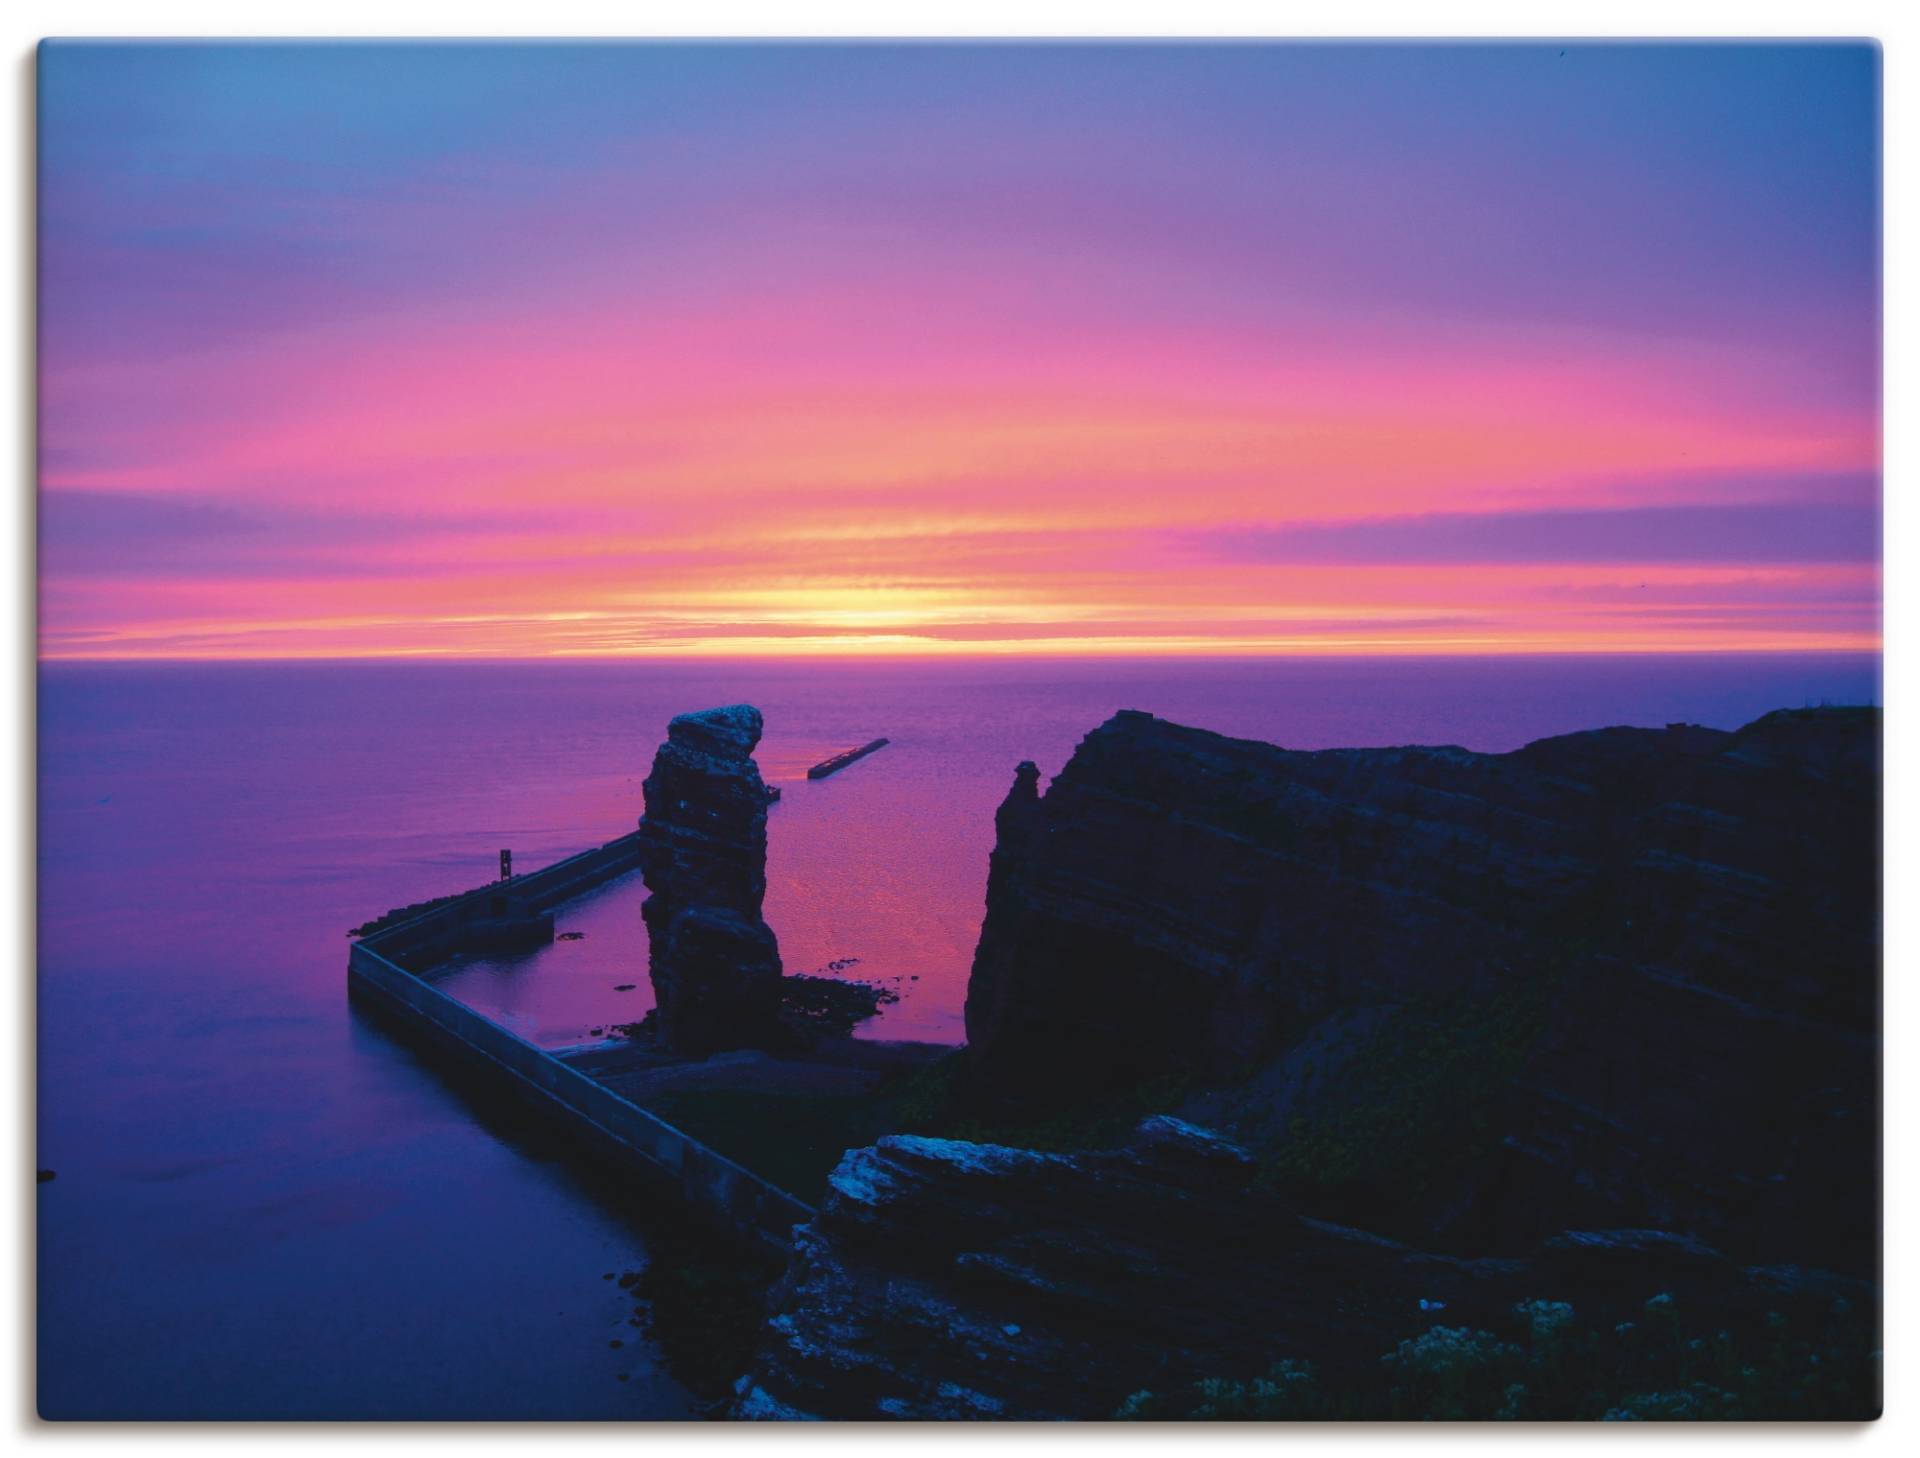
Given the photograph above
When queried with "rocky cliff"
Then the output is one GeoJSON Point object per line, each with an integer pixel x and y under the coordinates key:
{"type": "Point", "coordinates": [1442, 1048]}
{"type": "Point", "coordinates": [945, 1279]}
{"type": "Point", "coordinates": [714, 961]}
{"type": "Point", "coordinates": [1642, 965]}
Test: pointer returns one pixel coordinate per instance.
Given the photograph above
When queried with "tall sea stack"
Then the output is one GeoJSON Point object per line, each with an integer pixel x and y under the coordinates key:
{"type": "Point", "coordinates": [714, 962]}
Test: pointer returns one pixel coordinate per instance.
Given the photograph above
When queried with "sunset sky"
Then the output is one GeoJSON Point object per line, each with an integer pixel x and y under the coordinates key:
{"type": "Point", "coordinates": [748, 349]}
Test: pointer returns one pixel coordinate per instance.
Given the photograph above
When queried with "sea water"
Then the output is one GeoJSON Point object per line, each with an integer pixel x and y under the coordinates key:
{"type": "Point", "coordinates": [263, 1206]}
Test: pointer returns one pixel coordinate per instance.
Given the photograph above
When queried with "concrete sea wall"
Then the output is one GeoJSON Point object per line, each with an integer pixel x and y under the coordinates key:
{"type": "Point", "coordinates": [516, 912]}
{"type": "Point", "coordinates": [707, 1182]}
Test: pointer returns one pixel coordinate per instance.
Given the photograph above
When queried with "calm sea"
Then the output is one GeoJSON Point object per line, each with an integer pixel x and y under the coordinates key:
{"type": "Point", "coordinates": [263, 1207]}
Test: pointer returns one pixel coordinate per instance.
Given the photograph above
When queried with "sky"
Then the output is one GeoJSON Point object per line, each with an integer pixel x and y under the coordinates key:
{"type": "Point", "coordinates": [516, 351]}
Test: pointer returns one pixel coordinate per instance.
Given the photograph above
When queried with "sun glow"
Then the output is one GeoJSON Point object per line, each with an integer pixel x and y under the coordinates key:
{"type": "Point", "coordinates": [860, 383]}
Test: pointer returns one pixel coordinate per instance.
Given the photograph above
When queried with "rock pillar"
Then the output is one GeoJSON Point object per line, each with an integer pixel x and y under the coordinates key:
{"type": "Point", "coordinates": [714, 962]}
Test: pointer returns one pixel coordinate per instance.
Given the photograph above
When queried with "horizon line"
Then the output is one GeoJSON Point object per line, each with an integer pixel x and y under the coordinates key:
{"type": "Point", "coordinates": [1395, 651]}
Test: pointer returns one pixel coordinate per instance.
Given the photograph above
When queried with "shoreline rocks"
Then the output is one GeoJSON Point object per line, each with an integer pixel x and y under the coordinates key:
{"type": "Point", "coordinates": [944, 1279]}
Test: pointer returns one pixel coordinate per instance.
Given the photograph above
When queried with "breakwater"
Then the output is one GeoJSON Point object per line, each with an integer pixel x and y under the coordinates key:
{"type": "Point", "coordinates": [387, 968]}
{"type": "Point", "coordinates": [835, 763]}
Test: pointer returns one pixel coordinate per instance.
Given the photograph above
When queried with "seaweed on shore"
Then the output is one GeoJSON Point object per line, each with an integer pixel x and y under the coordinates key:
{"type": "Point", "coordinates": [817, 1007]}
{"type": "Point", "coordinates": [812, 1010]}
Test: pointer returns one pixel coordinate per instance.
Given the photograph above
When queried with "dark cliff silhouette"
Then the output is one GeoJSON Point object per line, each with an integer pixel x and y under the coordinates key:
{"type": "Point", "coordinates": [1653, 955]}
{"type": "Point", "coordinates": [1592, 1027]}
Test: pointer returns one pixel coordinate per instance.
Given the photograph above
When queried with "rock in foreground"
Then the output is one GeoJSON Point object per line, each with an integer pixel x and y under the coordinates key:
{"type": "Point", "coordinates": [945, 1279]}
